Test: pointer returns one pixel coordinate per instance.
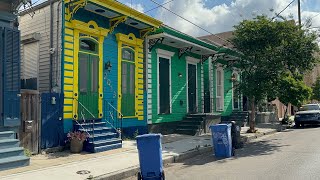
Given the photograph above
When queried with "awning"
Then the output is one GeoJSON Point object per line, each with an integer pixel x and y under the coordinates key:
{"type": "Point", "coordinates": [180, 40]}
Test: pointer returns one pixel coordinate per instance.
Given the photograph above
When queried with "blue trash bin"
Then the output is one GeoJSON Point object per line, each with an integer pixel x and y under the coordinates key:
{"type": "Point", "coordinates": [150, 156]}
{"type": "Point", "coordinates": [222, 142]}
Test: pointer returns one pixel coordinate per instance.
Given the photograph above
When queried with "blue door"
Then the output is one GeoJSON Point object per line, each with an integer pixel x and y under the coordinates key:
{"type": "Point", "coordinates": [10, 77]}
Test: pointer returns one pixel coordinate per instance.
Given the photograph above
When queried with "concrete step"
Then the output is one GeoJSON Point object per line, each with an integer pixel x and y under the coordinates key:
{"type": "Point", "coordinates": [103, 136]}
{"type": "Point", "coordinates": [188, 126]}
{"type": "Point", "coordinates": [92, 146]}
{"type": "Point", "coordinates": [186, 131]}
{"type": "Point", "coordinates": [97, 130]}
{"type": "Point", "coordinates": [7, 135]}
{"type": "Point", "coordinates": [10, 152]}
{"type": "Point", "coordinates": [88, 125]}
{"type": "Point", "coordinates": [14, 162]}
{"type": "Point", "coordinates": [9, 143]}
{"type": "Point", "coordinates": [108, 147]}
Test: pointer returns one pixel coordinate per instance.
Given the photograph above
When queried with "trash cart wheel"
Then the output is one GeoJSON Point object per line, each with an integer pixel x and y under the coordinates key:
{"type": "Point", "coordinates": [163, 176]}
{"type": "Point", "coordinates": [139, 176]}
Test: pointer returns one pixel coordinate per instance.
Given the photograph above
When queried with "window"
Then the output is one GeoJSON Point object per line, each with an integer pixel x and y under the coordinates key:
{"type": "Point", "coordinates": [88, 45]}
{"type": "Point", "coordinates": [235, 91]}
{"type": "Point", "coordinates": [219, 90]}
{"type": "Point", "coordinates": [127, 54]}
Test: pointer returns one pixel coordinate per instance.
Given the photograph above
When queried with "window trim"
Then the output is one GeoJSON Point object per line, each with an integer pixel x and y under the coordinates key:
{"type": "Point", "coordinates": [166, 55]}
{"type": "Point", "coordinates": [219, 68]}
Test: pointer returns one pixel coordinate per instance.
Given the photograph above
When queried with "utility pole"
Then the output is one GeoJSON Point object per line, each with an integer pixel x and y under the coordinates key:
{"type": "Point", "coordinates": [299, 13]}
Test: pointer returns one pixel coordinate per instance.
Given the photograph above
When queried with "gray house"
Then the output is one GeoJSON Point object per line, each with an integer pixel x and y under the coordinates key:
{"type": "Point", "coordinates": [11, 155]}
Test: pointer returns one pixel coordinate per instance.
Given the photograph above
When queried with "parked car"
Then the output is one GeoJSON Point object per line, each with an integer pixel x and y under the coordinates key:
{"type": "Point", "coordinates": [307, 114]}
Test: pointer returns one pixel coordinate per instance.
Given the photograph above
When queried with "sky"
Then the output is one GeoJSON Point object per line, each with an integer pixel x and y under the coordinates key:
{"type": "Point", "coordinates": [217, 16]}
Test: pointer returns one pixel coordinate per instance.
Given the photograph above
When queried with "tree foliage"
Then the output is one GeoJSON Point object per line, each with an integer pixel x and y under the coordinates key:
{"type": "Point", "coordinates": [270, 49]}
{"type": "Point", "coordinates": [293, 91]}
{"type": "Point", "coordinates": [316, 90]}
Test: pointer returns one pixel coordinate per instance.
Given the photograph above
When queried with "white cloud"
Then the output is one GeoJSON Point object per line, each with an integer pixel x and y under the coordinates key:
{"type": "Point", "coordinates": [138, 7]}
{"type": "Point", "coordinates": [223, 17]}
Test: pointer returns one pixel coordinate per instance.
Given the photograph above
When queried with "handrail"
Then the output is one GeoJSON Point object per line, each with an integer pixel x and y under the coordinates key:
{"type": "Point", "coordinates": [115, 109]}
{"type": "Point", "coordinates": [114, 117]}
{"type": "Point", "coordinates": [85, 120]}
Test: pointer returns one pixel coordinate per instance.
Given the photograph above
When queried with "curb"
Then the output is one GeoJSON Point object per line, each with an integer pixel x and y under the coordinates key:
{"type": "Point", "coordinates": [249, 139]}
{"type": "Point", "coordinates": [132, 171]}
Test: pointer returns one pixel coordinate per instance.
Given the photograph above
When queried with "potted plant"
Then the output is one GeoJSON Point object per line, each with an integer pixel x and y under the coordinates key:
{"type": "Point", "coordinates": [76, 139]}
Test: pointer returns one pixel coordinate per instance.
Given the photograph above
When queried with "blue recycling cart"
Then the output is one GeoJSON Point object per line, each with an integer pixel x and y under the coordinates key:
{"type": "Point", "coordinates": [222, 142]}
{"type": "Point", "coordinates": [150, 157]}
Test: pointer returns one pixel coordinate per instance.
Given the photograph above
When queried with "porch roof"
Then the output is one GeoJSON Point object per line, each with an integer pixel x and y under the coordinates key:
{"type": "Point", "coordinates": [174, 38]}
{"type": "Point", "coordinates": [113, 9]}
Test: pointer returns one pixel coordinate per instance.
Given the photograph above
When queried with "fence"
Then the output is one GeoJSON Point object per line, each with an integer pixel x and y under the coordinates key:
{"type": "Point", "coordinates": [30, 120]}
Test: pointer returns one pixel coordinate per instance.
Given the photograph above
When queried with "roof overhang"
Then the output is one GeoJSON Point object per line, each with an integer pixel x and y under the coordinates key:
{"type": "Point", "coordinates": [113, 9]}
{"type": "Point", "coordinates": [179, 43]}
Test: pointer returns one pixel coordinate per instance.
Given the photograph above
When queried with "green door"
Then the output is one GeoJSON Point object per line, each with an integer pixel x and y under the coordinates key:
{"type": "Point", "coordinates": [192, 88]}
{"type": "Point", "coordinates": [164, 86]}
{"type": "Point", "coordinates": [88, 85]}
{"type": "Point", "coordinates": [128, 83]}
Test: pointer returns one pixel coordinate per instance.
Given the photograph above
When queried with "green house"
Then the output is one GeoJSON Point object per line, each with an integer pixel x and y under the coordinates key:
{"type": "Point", "coordinates": [187, 81]}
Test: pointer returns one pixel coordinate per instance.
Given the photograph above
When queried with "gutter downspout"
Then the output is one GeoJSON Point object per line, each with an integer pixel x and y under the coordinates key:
{"type": "Point", "coordinates": [51, 50]}
{"type": "Point", "coordinates": [57, 42]}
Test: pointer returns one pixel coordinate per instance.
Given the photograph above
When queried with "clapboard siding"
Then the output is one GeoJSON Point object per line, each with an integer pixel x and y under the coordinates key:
{"type": "Point", "coordinates": [40, 23]}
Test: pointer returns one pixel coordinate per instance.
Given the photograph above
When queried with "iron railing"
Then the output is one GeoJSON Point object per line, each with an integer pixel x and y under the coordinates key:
{"type": "Point", "coordinates": [113, 116]}
{"type": "Point", "coordinates": [84, 120]}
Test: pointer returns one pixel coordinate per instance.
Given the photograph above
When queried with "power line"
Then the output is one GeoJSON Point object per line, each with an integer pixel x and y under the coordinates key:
{"type": "Point", "coordinates": [277, 15]}
{"type": "Point", "coordinates": [151, 9]}
{"type": "Point", "coordinates": [190, 21]}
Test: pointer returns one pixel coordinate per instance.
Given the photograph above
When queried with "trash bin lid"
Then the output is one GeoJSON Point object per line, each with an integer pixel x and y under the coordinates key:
{"type": "Point", "coordinates": [220, 125]}
{"type": "Point", "coordinates": [149, 136]}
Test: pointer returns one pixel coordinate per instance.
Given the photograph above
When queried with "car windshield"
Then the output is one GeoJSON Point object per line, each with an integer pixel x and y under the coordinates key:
{"type": "Point", "coordinates": [309, 107]}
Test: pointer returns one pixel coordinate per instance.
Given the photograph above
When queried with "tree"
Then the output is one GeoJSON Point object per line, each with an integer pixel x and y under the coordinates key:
{"type": "Point", "coordinates": [269, 50]}
{"type": "Point", "coordinates": [293, 90]}
{"type": "Point", "coordinates": [316, 90]}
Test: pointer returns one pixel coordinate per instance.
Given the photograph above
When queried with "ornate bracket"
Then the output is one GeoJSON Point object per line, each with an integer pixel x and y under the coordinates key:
{"type": "Point", "coordinates": [145, 32]}
{"type": "Point", "coordinates": [182, 51]}
{"type": "Point", "coordinates": [116, 21]}
{"type": "Point", "coordinates": [205, 57]}
{"type": "Point", "coordinates": [73, 7]}
{"type": "Point", "coordinates": [153, 42]}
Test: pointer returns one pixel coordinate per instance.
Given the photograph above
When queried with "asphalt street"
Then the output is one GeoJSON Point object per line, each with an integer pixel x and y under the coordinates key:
{"type": "Point", "coordinates": [293, 154]}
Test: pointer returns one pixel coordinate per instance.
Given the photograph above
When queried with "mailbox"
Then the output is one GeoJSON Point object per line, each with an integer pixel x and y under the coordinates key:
{"type": "Point", "coordinates": [28, 126]}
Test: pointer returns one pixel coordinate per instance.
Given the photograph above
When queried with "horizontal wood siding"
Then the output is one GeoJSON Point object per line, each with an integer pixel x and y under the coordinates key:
{"type": "Point", "coordinates": [40, 23]}
{"type": "Point", "coordinates": [178, 87]}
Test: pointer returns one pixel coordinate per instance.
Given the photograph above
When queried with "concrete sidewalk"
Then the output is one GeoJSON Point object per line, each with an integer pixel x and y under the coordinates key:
{"type": "Point", "coordinates": [120, 164]}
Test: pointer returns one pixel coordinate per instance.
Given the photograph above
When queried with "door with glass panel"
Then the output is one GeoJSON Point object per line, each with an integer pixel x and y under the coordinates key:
{"type": "Point", "coordinates": [128, 83]}
{"type": "Point", "coordinates": [88, 79]}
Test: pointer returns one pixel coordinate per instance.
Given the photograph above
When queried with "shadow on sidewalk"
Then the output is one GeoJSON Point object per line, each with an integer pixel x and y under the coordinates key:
{"type": "Point", "coordinates": [260, 148]}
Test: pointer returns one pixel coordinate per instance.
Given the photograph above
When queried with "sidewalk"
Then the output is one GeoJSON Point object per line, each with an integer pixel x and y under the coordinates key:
{"type": "Point", "coordinates": [114, 164]}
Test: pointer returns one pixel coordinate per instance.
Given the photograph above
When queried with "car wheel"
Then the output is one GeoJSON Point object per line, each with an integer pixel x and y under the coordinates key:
{"type": "Point", "coordinates": [302, 125]}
